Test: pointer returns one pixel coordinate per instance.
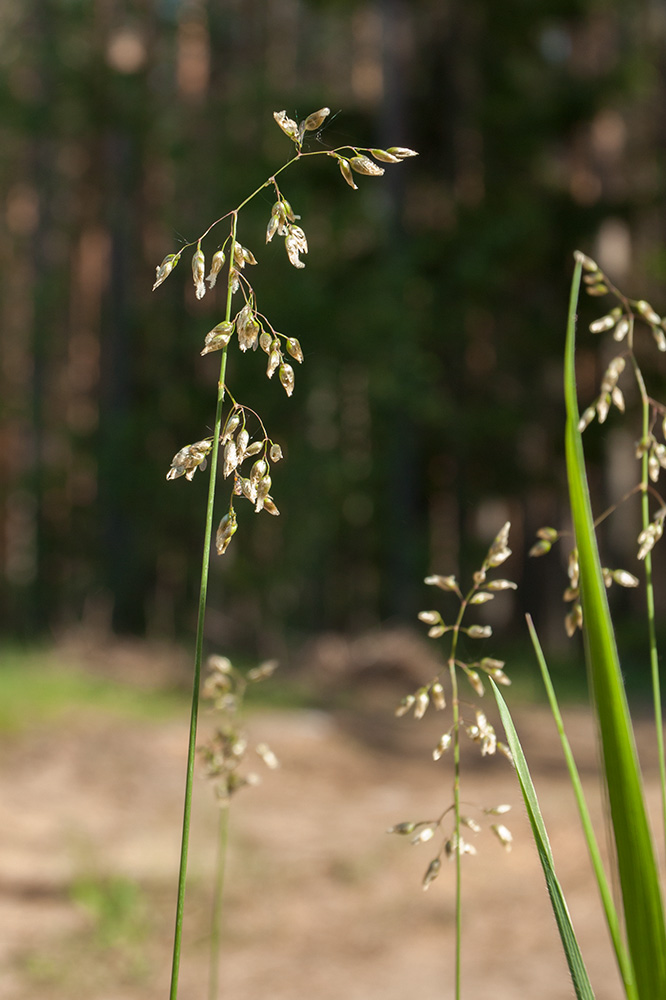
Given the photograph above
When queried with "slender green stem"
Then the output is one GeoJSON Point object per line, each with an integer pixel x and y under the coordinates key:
{"type": "Point", "coordinates": [455, 702]}
{"type": "Point", "coordinates": [456, 807]}
{"type": "Point", "coordinates": [198, 656]}
{"type": "Point", "coordinates": [649, 596]}
{"type": "Point", "coordinates": [218, 907]}
{"type": "Point", "coordinates": [623, 960]}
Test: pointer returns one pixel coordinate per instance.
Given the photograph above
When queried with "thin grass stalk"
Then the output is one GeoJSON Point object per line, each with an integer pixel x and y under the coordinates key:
{"type": "Point", "coordinates": [636, 863]}
{"type": "Point", "coordinates": [198, 656]}
{"type": "Point", "coordinates": [218, 904]}
{"type": "Point", "coordinates": [456, 809]}
{"type": "Point", "coordinates": [610, 911]}
{"type": "Point", "coordinates": [579, 976]}
{"type": "Point", "coordinates": [649, 597]}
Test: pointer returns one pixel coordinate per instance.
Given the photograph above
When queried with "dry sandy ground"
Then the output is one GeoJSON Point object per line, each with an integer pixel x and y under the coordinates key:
{"type": "Point", "coordinates": [320, 901]}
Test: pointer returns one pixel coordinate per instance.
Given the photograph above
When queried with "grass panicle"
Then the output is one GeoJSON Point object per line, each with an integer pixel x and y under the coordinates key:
{"type": "Point", "coordinates": [247, 451]}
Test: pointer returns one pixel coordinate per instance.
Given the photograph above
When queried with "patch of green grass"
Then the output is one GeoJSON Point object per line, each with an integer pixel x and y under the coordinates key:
{"type": "Point", "coordinates": [40, 685]}
{"type": "Point", "coordinates": [37, 686]}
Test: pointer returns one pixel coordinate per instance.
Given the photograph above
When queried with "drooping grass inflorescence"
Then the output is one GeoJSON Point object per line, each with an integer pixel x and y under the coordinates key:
{"type": "Point", "coordinates": [247, 454]}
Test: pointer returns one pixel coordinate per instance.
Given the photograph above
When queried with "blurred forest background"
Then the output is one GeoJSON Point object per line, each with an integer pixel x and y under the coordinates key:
{"type": "Point", "coordinates": [431, 310]}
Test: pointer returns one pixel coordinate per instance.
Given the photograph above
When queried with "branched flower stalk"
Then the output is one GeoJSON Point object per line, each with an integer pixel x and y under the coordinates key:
{"type": "Point", "coordinates": [453, 844]}
{"type": "Point", "coordinates": [234, 432]}
{"type": "Point", "coordinates": [623, 321]}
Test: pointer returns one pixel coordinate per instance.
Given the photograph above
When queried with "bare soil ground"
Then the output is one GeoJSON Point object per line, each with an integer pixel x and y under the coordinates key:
{"type": "Point", "coordinates": [320, 901]}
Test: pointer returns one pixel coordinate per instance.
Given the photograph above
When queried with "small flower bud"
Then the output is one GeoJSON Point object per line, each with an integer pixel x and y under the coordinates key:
{"type": "Point", "coordinates": [422, 702]}
{"type": "Point", "coordinates": [504, 835]}
{"type": "Point", "coordinates": [605, 322]}
{"type": "Point", "coordinates": [225, 532]}
{"type": "Point", "coordinates": [163, 270]}
{"type": "Point", "coordinates": [499, 810]}
{"type": "Point", "coordinates": [267, 755]}
{"type": "Point", "coordinates": [346, 172]}
{"type": "Point", "coordinates": [402, 152]}
{"type": "Point", "coordinates": [198, 271]}
{"type": "Point", "coordinates": [624, 579]}
{"type": "Point", "coordinates": [295, 243]}
{"type": "Point", "coordinates": [231, 459]}
{"type": "Point", "coordinates": [294, 349]}
{"type": "Point", "coordinates": [364, 165]}
{"type": "Point", "coordinates": [443, 582]}
{"type": "Point", "coordinates": [481, 598]}
{"type": "Point", "coordinates": [242, 441]}
{"type": "Point", "coordinates": [287, 378]}
{"type": "Point", "coordinates": [216, 265]}
{"type": "Point", "coordinates": [647, 312]}
{"type": "Point", "coordinates": [403, 828]}
{"type": "Point", "coordinates": [230, 427]}
{"type": "Point", "coordinates": [437, 694]}
{"type": "Point", "coordinates": [248, 489]}
{"type": "Point", "coordinates": [218, 337]}
{"type": "Point", "coordinates": [385, 156]}
{"type": "Point", "coordinates": [405, 705]}
{"type": "Point", "coordinates": [269, 506]}
{"type": "Point", "coordinates": [430, 617]}
{"type": "Point", "coordinates": [490, 663]}
{"type": "Point", "coordinates": [288, 125]}
{"type": "Point", "coordinates": [621, 330]}
{"type": "Point", "coordinates": [264, 670]}
{"type": "Point", "coordinates": [475, 681]}
{"type": "Point", "coordinates": [313, 121]}
{"type": "Point", "coordinates": [479, 631]}
{"type": "Point", "coordinates": [265, 341]}
{"type": "Point", "coordinates": [442, 746]}
{"type": "Point", "coordinates": [258, 470]}
{"type": "Point", "coordinates": [275, 454]}
{"type": "Point", "coordinates": [272, 227]}
{"type": "Point", "coordinates": [586, 419]}
{"type": "Point", "coordinates": [424, 835]}
{"type": "Point", "coordinates": [274, 359]}
{"type": "Point", "coordinates": [659, 338]}
{"type": "Point", "coordinates": [501, 585]}
{"type": "Point", "coordinates": [432, 873]}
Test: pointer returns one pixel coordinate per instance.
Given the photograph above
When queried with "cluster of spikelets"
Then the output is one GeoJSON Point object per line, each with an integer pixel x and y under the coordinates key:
{"type": "Point", "coordinates": [573, 620]}
{"type": "Point", "coordinates": [252, 328]}
{"type": "Point", "coordinates": [479, 731]}
{"type": "Point", "coordinates": [225, 752]}
{"type": "Point", "coordinates": [621, 320]}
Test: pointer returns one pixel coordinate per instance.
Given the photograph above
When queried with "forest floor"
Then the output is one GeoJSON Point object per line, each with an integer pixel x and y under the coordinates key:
{"type": "Point", "coordinates": [321, 902]}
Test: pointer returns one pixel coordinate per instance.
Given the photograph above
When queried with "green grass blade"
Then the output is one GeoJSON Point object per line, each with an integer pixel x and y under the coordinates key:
{"type": "Point", "coordinates": [610, 911]}
{"type": "Point", "coordinates": [637, 869]}
{"type": "Point", "coordinates": [572, 952]}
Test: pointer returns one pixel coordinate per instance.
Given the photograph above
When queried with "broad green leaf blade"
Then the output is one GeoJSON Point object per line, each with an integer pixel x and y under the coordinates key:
{"type": "Point", "coordinates": [637, 869]}
{"type": "Point", "coordinates": [579, 975]}
{"type": "Point", "coordinates": [610, 911]}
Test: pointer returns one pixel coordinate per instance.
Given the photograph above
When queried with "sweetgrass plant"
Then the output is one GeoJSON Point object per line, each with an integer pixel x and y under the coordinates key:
{"type": "Point", "coordinates": [453, 828]}
{"type": "Point", "coordinates": [248, 452]}
{"type": "Point", "coordinates": [629, 885]}
{"type": "Point", "coordinates": [635, 918]}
